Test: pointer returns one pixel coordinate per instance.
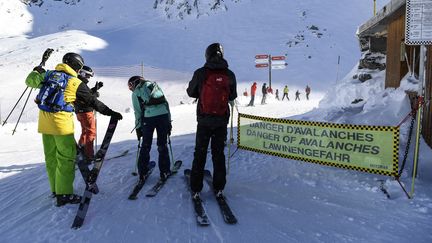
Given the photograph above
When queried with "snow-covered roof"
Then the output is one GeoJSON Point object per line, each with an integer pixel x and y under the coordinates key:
{"type": "Point", "coordinates": [377, 25]}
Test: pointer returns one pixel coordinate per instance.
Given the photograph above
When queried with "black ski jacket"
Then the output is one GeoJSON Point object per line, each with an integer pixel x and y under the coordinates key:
{"type": "Point", "coordinates": [195, 85]}
{"type": "Point", "coordinates": [86, 100]}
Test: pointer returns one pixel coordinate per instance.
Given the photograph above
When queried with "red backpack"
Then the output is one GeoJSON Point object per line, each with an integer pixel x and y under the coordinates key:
{"type": "Point", "coordinates": [214, 93]}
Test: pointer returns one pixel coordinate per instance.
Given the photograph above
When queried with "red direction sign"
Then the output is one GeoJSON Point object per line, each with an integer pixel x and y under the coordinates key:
{"type": "Point", "coordinates": [278, 58]}
{"type": "Point", "coordinates": [261, 65]}
{"type": "Point", "coordinates": [262, 56]}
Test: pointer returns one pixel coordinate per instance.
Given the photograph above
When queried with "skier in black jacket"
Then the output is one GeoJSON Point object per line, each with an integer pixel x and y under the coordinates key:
{"type": "Point", "coordinates": [85, 105]}
{"type": "Point", "coordinates": [211, 125]}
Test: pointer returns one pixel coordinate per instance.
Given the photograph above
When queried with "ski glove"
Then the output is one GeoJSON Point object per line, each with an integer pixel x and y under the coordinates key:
{"type": "Point", "coordinates": [39, 69]}
{"type": "Point", "coordinates": [116, 115]}
{"type": "Point", "coordinates": [98, 85]}
{"type": "Point", "coordinates": [138, 133]}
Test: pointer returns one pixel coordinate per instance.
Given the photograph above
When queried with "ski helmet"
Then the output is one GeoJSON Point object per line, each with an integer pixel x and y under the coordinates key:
{"type": "Point", "coordinates": [214, 49]}
{"type": "Point", "coordinates": [86, 72]}
{"type": "Point", "coordinates": [75, 61]}
{"type": "Point", "coordinates": [134, 81]}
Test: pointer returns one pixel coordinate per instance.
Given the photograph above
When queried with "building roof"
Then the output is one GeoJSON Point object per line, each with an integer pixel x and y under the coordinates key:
{"type": "Point", "coordinates": [377, 25]}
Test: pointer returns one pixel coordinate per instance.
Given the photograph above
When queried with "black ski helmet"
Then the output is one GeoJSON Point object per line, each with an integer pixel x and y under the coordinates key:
{"type": "Point", "coordinates": [134, 81]}
{"type": "Point", "coordinates": [213, 50]}
{"type": "Point", "coordinates": [75, 61]}
{"type": "Point", "coordinates": [86, 72]}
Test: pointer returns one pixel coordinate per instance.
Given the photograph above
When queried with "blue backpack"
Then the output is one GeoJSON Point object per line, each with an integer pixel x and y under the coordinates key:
{"type": "Point", "coordinates": [51, 94]}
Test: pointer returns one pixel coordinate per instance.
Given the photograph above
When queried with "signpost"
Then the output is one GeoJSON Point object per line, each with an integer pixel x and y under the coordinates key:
{"type": "Point", "coordinates": [261, 60]}
{"type": "Point", "coordinates": [270, 62]}
{"type": "Point", "coordinates": [274, 58]}
{"type": "Point", "coordinates": [279, 66]}
{"type": "Point", "coordinates": [418, 31]}
{"type": "Point", "coordinates": [261, 65]}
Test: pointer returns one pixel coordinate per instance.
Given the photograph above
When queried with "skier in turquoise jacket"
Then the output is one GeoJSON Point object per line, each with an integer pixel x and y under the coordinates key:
{"type": "Point", "coordinates": [151, 113]}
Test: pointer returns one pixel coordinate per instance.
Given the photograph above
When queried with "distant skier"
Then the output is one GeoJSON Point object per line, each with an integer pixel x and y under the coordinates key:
{"type": "Point", "coordinates": [253, 91]}
{"type": "Point", "coordinates": [245, 93]}
{"type": "Point", "coordinates": [56, 122]}
{"type": "Point", "coordinates": [285, 91]}
{"type": "Point", "coordinates": [151, 113]}
{"type": "Point", "coordinates": [85, 105]}
{"type": "Point", "coordinates": [308, 90]}
{"type": "Point", "coordinates": [212, 116]}
{"type": "Point", "coordinates": [297, 94]}
{"type": "Point", "coordinates": [277, 94]}
{"type": "Point", "coordinates": [264, 94]}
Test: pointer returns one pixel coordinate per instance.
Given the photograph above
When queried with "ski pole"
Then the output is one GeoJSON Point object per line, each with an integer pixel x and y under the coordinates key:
{"type": "Point", "coordinates": [45, 56]}
{"type": "Point", "coordinates": [231, 137]}
{"type": "Point", "coordinates": [10, 113]}
{"type": "Point", "coordinates": [171, 153]}
{"type": "Point", "coordinates": [95, 142]}
{"type": "Point", "coordinates": [135, 172]}
{"type": "Point", "coordinates": [19, 118]}
{"type": "Point", "coordinates": [134, 128]}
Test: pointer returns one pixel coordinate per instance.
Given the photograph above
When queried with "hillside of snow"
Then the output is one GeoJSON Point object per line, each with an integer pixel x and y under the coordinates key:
{"type": "Point", "coordinates": [311, 34]}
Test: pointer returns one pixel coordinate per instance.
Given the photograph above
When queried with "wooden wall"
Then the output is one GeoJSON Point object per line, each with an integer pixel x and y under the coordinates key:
{"type": "Point", "coordinates": [396, 67]}
{"type": "Point", "coordinates": [427, 112]}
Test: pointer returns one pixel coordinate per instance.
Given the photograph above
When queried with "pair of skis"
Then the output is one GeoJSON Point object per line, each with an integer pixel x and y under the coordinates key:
{"type": "Point", "coordinates": [90, 176]}
{"type": "Point", "coordinates": [159, 184]}
{"type": "Point", "coordinates": [200, 212]}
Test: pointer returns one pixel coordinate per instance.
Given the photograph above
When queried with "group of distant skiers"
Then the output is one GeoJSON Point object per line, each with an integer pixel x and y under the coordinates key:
{"type": "Point", "coordinates": [64, 91]}
{"type": "Point", "coordinates": [268, 90]}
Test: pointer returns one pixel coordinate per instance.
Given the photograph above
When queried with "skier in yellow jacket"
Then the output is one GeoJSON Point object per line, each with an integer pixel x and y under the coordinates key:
{"type": "Point", "coordinates": [56, 123]}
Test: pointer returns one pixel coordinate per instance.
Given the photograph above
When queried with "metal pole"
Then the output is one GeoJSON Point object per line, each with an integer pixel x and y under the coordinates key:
{"type": "Point", "coordinates": [374, 8]}
{"type": "Point", "coordinates": [231, 138]}
{"type": "Point", "coordinates": [142, 69]}
{"type": "Point", "coordinates": [22, 111]}
{"type": "Point", "coordinates": [269, 71]}
{"type": "Point", "coordinates": [95, 120]}
{"type": "Point", "coordinates": [170, 147]}
{"type": "Point", "coordinates": [419, 115]}
{"type": "Point", "coordinates": [135, 172]}
{"type": "Point", "coordinates": [4, 122]}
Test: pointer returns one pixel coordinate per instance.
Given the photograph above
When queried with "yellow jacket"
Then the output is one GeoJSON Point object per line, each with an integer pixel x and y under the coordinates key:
{"type": "Point", "coordinates": [58, 123]}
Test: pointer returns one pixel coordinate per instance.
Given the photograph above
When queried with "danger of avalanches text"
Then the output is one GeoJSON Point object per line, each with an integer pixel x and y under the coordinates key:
{"type": "Point", "coordinates": [310, 152]}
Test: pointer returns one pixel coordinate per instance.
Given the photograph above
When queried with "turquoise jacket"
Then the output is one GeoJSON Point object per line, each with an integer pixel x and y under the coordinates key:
{"type": "Point", "coordinates": [142, 91]}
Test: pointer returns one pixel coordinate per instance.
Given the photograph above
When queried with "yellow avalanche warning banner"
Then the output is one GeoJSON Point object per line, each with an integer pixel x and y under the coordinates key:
{"type": "Point", "coordinates": [372, 149]}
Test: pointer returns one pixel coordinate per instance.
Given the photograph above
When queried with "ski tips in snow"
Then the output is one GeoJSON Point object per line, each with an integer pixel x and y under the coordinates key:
{"type": "Point", "coordinates": [161, 182]}
{"type": "Point", "coordinates": [225, 209]}
{"type": "Point", "coordinates": [141, 181]}
{"type": "Point", "coordinates": [78, 222]}
{"type": "Point", "coordinates": [200, 212]}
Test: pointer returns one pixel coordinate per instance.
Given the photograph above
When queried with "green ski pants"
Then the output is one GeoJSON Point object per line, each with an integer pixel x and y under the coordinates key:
{"type": "Point", "coordinates": [60, 153]}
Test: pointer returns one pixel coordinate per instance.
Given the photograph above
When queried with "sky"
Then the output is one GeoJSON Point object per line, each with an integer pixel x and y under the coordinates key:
{"type": "Point", "coordinates": [275, 199]}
